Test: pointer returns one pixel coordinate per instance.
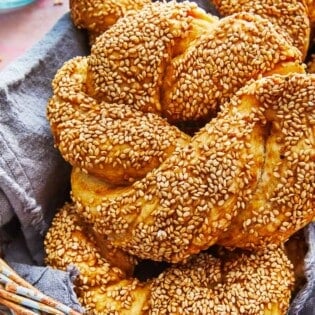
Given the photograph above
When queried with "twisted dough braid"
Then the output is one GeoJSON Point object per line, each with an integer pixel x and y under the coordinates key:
{"type": "Point", "coordinates": [114, 142]}
{"type": "Point", "coordinates": [290, 17]}
{"type": "Point", "coordinates": [93, 134]}
{"type": "Point", "coordinates": [245, 179]}
{"type": "Point", "coordinates": [186, 192]}
{"type": "Point", "coordinates": [143, 188]}
{"type": "Point", "coordinates": [257, 283]}
{"type": "Point", "coordinates": [169, 59]}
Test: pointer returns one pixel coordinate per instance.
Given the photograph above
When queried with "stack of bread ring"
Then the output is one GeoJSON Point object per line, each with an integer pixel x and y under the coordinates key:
{"type": "Point", "coordinates": [191, 139]}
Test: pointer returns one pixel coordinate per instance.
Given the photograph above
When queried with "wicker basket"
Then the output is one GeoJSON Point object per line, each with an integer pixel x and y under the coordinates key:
{"type": "Point", "coordinates": [17, 296]}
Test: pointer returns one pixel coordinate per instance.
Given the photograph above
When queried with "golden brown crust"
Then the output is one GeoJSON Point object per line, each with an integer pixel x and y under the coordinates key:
{"type": "Point", "coordinates": [234, 284]}
{"type": "Point", "coordinates": [125, 141]}
{"type": "Point", "coordinates": [98, 15]}
{"type": "Point", "coordinates": [128, 62]}
{"type": "Point", "coordinates": [240, 48]}
{"type": "Point", "coordinates": [289, 16]}
{"type": "Point", "coordinates": [70, 242]}
{"type": "Point", "coordinates": [179, 69]}
{"type": "Point", "coordinates": [244, 180]}
{"type": "Point", "coordinates": [101, 98]}
{"type": "Point", "coordinates": [257, 283]}
{"type": "Point", "coordinates": [283, 200]}
{"type": "Point", "coordinates": [112, 141]}
{"type": "Point", "coordinates": [256, 156]}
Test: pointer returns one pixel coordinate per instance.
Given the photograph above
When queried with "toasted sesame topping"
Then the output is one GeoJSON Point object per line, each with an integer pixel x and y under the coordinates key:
{"type": "Point", "coordinates": [283, 201]}
{"type": "Point", "coordinates": [290, 17]}
{"type": "Point", "coordinates": [256, 157]}
{"type": "Point", "coordinates": [98, 15]}
{"type": "Point", "coordinates": [105, 119]}
{"type": "Point", "coordinates": [231, 282]}
{"type": "Point", "coordinates": [70, 241]}
{"type": "Point", "coordinates": [239, 48]}
{"type": "Point", "coordinates": [128, 61]}
{"type": "Point", "coordinates": [175, 59]}
{"type": "Point", "coordinates": [112, 141]}
{"type": "Point", "coordinates": [143, 187]}
{"type": "Point", "coordinates": [240, 283]}
{"type": "Point", "coordinates": [100, 285]}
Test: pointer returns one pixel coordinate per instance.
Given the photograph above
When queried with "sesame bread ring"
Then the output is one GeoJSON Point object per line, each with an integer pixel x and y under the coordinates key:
{"type": "Point", "coordinates": [114, 142]}
{"type": "Point", "coordinates": [98, 15]}
{"type": "Point", "coordinates": [291, 17]}
{"type": "Point", "coordinates": [174, 59]}
{"type": "Point", "coordinates": [258, 283]}
{"type": "Point", "coordinates": [245, 180]}
{"type": "Point", "coordinates": [240, 48]}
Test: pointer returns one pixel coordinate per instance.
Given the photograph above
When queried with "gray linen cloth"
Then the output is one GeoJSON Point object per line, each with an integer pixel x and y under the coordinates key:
{"type": "Point", "coordinates": [34, 179]}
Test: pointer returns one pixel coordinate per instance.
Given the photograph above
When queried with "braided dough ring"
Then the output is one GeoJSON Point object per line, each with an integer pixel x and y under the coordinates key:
{"type": "Point", "coordinates": [163, 216]}
{"type": "Point", "coordinates": [291, 17]}
{"type": "Point", "coordinates": [236, 283]}
{"type": "Point", "coordinates": [246, 179]}
{"type": "Point", "coordinates": [122, 141]}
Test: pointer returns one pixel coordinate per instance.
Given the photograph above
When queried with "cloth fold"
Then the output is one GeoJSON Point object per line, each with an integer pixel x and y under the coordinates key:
{"type": "Point", "coordinates": [34, 179]}
{"type": "Point", "coordinates": [54, 283]}
{"type": "Point", "coordinates": [304, 302]}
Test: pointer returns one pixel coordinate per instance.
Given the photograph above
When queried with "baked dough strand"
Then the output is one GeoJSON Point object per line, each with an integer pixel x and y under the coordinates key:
{"type": "Point", "coordinates": [246, 179]}
{"type": "Point", "coordinates": [257, 283]}
{"type": "Point", "coordinates": [290, 17]}
{"type": "Point", "coordinates": [112, 141]}
{"type": "Point", "coordinates": [96, 16]}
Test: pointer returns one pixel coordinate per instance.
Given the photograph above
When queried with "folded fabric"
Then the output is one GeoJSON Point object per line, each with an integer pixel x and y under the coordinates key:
{"type": "Point", "coordinates": [304, 302]}
{"type": "Point", "coordinates": [33, 176]}
{"type": "Point", "coordinates": [34, 179]}
{"type": "Point", "coordinates": [54, 283]}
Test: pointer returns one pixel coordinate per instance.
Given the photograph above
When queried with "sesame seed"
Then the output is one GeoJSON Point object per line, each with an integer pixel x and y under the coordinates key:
{"type": "Point", "coordinates": [98, 16]}
{"type": "Point", "coordinates": [142, 186]}
{"type": "Point", "coordinates": [290, 17]}
{"type": "Point", "coordinates": [228, 182]}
